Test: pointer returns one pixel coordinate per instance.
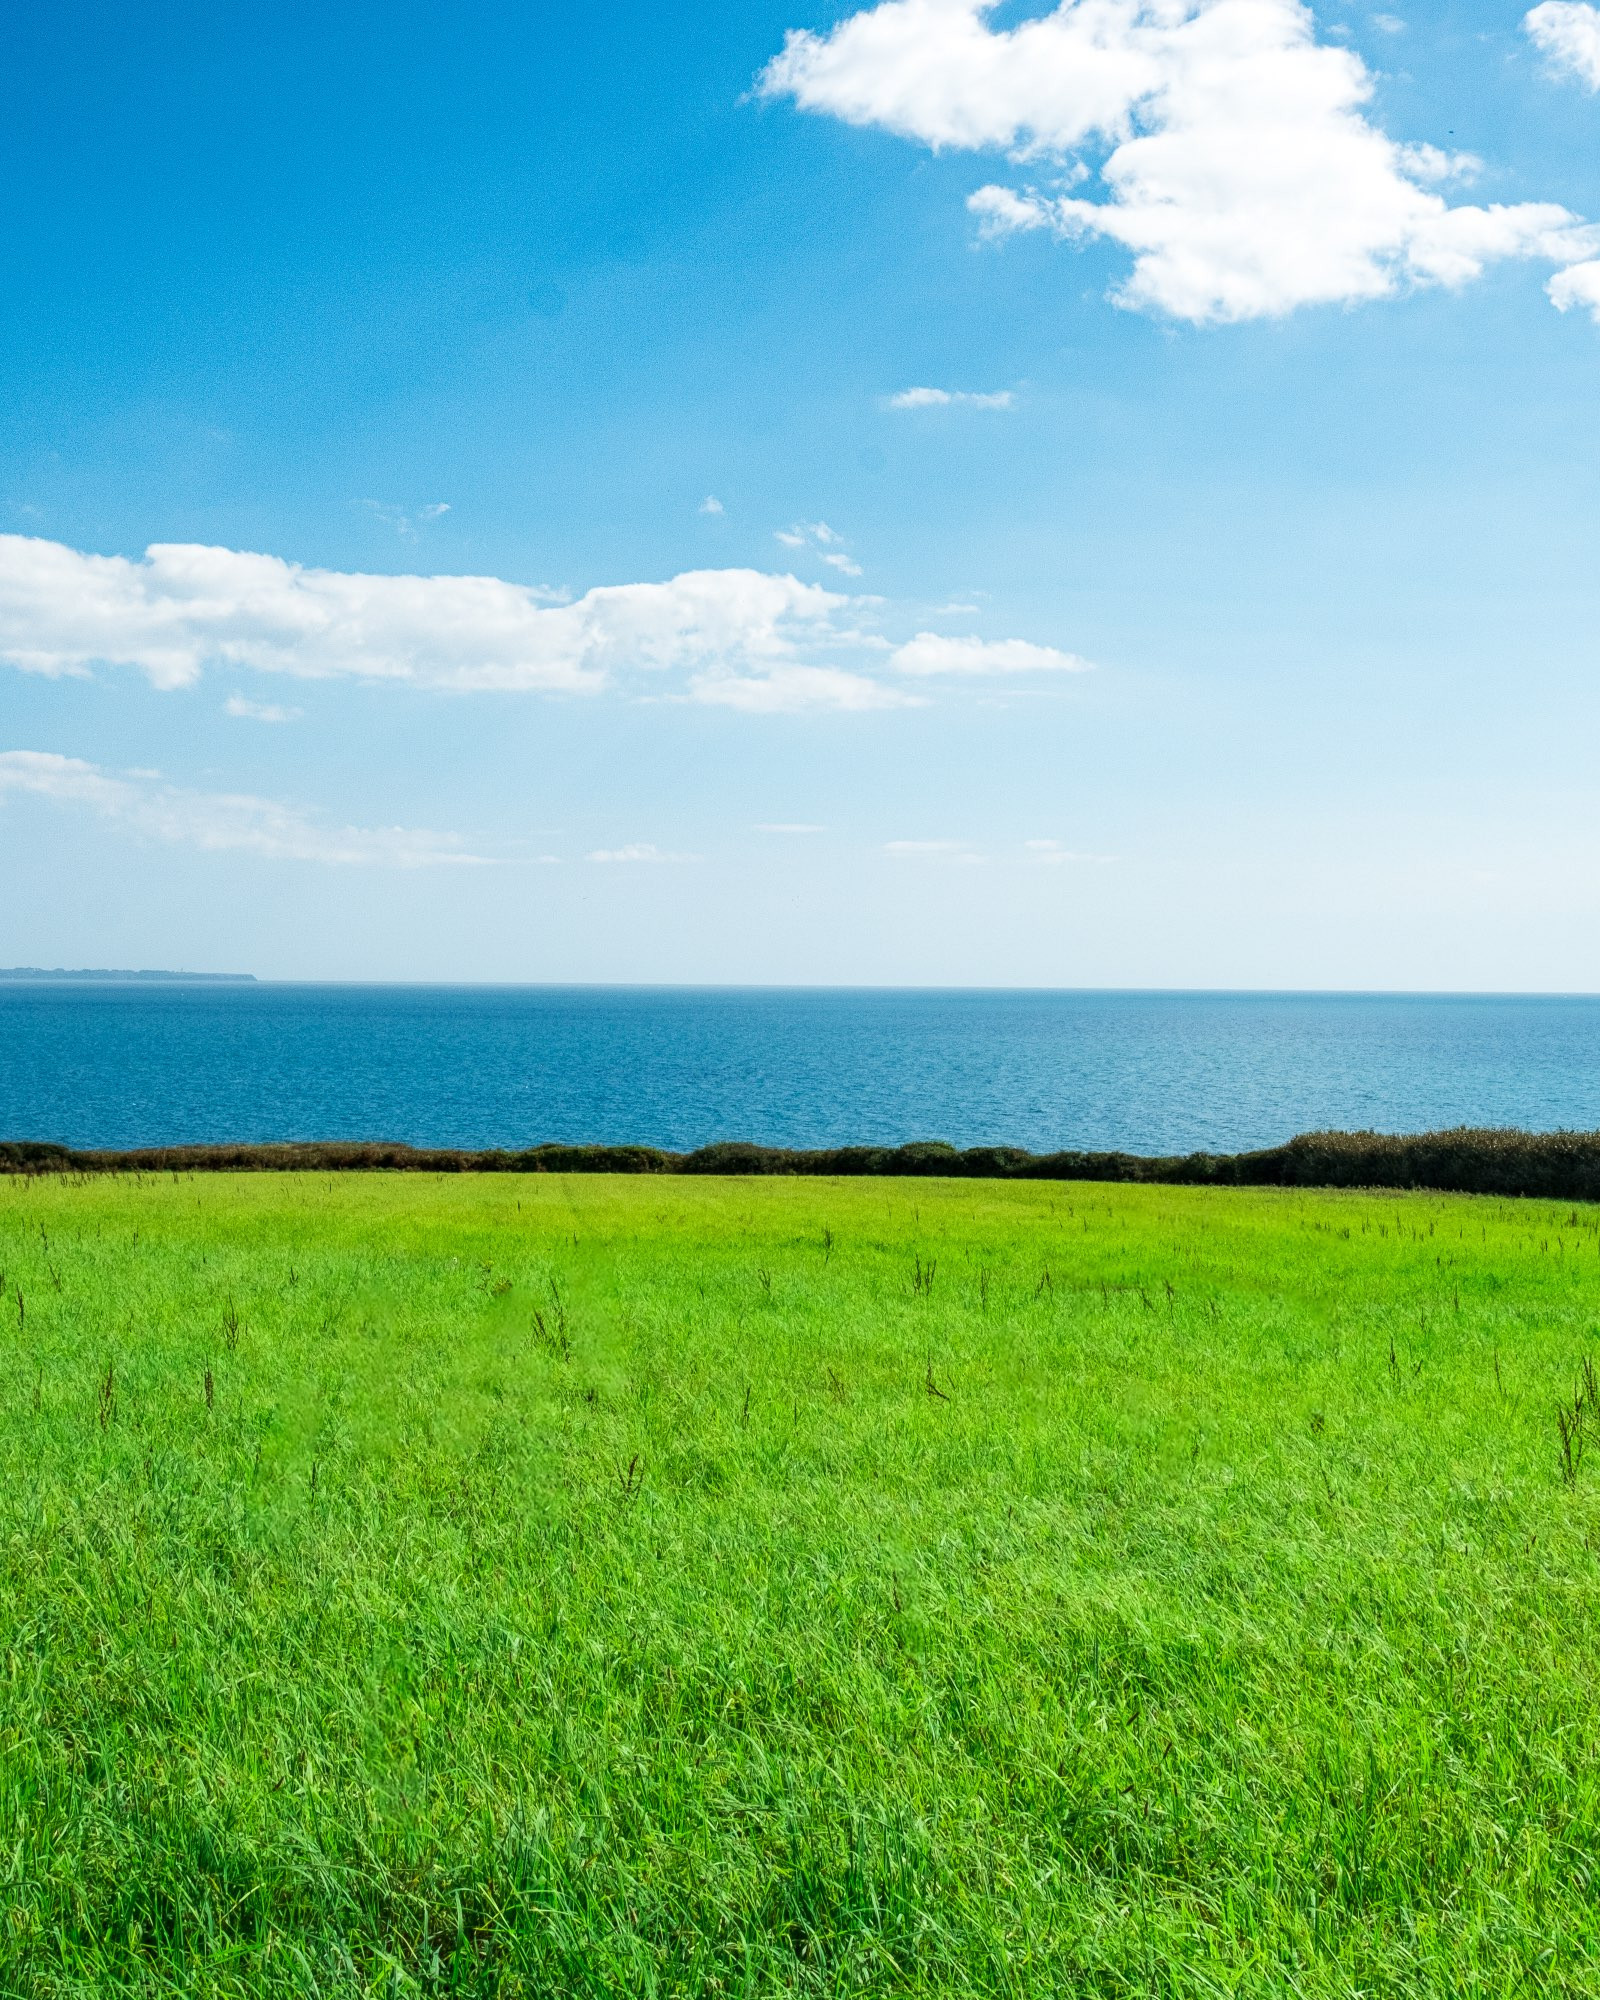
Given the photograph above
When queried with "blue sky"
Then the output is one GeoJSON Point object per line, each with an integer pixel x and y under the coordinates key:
{"type": "Point", "coordinates": [1240, 633]}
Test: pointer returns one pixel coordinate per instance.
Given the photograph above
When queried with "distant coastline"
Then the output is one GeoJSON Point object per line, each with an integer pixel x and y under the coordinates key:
{"type": "Point", "coordinates": [101, 976]}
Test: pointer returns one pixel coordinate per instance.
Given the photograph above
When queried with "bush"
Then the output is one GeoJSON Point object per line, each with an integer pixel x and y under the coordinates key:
{"type": "Point", "coordinates": [1564, 1166]}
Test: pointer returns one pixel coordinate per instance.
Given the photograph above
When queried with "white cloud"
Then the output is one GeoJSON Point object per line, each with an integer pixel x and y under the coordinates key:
{"type": "Point", "coordinates": [221, 821]}
{"type": "Point", "coordinates": [731, 638]}
{"type": "Point", "coordinates": [943, 399]}
{"type": "Point", "coordinates": [638, 850]}
{"type": "Point", "coordinates": [1431, 163]}
{"type": "Point", "coordinates": [181, 609]}
{"type": "Point", "coordinates": [937, 653]}
{"type": "Point", "coordinates": [1389, 24]}
{"type": "Point", "coordinates": [1569, 34]}
{"type": "Point", "coordinates": [259, 711]}
{"type": "Point", "coordinates": [1578, 285]}
{"type": "Point", "coordinates": [786, 690]}
{"type": "Point", "coordinates": [789, 826]}
{"type": "Point", "coordinates": [932, 850]}
{"type": "Point", "coordinates": [1235, 158]}
{"type": "Point", "coordinates": [711, 505]}
{"type": "Point", "coordinates": [820, 539]}
{"type": "Point", "coordinates": [1056, 854]}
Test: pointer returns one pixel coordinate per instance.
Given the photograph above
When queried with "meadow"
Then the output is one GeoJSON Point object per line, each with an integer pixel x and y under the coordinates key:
{"type": "Point", "coordinates": [539, 1584]}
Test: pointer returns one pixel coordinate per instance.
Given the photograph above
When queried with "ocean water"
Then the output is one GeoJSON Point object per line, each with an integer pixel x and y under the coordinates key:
{"type": "Point", "coordinates": [125, 1065]}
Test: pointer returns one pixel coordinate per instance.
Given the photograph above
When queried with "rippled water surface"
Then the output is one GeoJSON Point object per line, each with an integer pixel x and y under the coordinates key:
{"type": "Point", "coordinates": [509, 1066]}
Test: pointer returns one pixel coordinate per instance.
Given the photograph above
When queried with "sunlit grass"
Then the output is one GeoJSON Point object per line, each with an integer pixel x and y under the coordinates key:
{"type": "Point", "coordinates": [543, 1585]}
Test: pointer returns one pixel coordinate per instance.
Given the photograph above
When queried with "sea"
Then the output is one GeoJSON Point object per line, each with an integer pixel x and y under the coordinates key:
{"type": "Point", "coordinates": [146, 1063]}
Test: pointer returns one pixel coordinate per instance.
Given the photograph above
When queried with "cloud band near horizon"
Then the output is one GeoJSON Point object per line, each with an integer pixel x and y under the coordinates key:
{"type": "Point", "coordinates": [144, 803]}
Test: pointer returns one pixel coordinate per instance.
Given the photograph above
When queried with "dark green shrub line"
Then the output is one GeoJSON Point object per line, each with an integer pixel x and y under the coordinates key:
{"type": "Point", "coordinates": [1562, 1165]}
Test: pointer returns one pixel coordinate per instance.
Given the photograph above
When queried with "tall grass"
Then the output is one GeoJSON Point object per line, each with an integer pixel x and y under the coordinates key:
{"type": "Point", "coordinates": [544, 1585]}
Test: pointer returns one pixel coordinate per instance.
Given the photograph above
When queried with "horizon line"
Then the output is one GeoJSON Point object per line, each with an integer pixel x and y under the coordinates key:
{"type": "Point", "coordinates": [76, 976]}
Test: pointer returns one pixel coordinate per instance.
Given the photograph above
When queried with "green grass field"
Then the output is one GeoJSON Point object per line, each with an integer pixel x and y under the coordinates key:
{"type": "Point", "coordinates": [537, 1585]}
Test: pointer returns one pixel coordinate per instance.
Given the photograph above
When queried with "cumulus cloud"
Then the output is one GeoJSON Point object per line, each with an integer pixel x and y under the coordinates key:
{"type": "Point", "coordinates": [1578, 285]}
{"type": "Point", "coordinates": [711, 505]}
{"type": "Point", "coordinates": [935, 653]}
{"type": "Point", "coordinates": [730, 638]}
{"type": "Point", "coordinates": [944, 399]}
{"type": "Point", "coordinates": [1235, 158]}
{"type": "Point", "coordinates": [181, 609]}
{"type": "Point", "coordinates": [1568, 32]}
{"type": "Point", "coordinates": [218, 822]}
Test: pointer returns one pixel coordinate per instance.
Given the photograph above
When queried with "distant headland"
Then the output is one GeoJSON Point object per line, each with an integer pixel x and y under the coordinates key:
{"type": "Point", "coordinates": [102, 976]}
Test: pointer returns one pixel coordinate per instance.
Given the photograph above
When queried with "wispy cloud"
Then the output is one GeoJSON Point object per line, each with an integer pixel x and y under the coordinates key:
{"type": "Point", "coordinates": [1056, 853]}
{"type": "Point", "coordinates": [711, 505]}
{"type": "Point", "coordinates": [789, 690]}
{"type": "Point", "coordinates": [944, 399]}
{"type": "Point", "coordinates": [932, 850]}
{"type": "Point", "coordinates": [931, 653]}
{"type": "Point", "coordinates": [637, 850]}
{"type": "Point", "coordinates": [406, 524]}
{"type": "Point", "coordinates": [820, 540]}
{"type": "Point", "coordinates": [259, 711]}
{"type": "Point", "coordinates": [789, 826]}
{"type": "Point", "coordinates": [143, 803]}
